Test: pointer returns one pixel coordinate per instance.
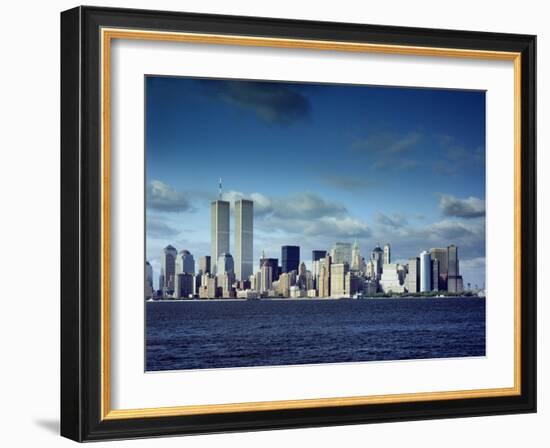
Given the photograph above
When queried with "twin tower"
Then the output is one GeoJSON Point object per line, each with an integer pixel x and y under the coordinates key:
{"type": "Point", "coordinates": [244, 231]}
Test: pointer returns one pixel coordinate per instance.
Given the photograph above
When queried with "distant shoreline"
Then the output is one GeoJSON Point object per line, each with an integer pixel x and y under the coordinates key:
{"type": "Point", "coordinates": [308, 299]}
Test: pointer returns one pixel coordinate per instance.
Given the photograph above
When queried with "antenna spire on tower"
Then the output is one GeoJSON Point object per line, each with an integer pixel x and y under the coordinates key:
{"type": "Point", "coordinates": [220, 189]}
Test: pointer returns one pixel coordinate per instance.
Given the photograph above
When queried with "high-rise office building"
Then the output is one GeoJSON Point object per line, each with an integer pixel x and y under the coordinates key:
{"type": "Point", "coordinates": [370, 270]}
{"type": "Point", "coordinates": [161, 279]}
{"type": "Point", "coordinates": [265, 277]}
{"type": "Point", "coordinates": [302, 280]}
{"type": "Point", "coordinates": [377, 256]}
{"type": "Point", "coordinates": [225, 283]}
{"type": "Point", "coordinates": [204, 265]}
{"type": "Point", "coordinates": [148, 279]}
{"type": "Point", "coordinates": [441, 255]}
{"type": "Point", "coordinates": [225, 264]}
{"type": "Point", "coordinates": [219, 231]}
{"type": "Point", "coordinates": [452, 252]}
{"type": "Point", "coordinates": [412, 282]}
{"type": "Point", "coordinates": [357, 263]}
{"type": "Point", "coordinates": [274, 263]}
{"type": "Point", "coordinates": [454, 279]}
{"type": "Point", "coordinates": [212, 290]}
{"type": "Point", "coordinates": [338, 273]}
{"type": "Point", "coordinates": [353, 284]}
{"type": "Point", "coordinates": [284, 285]}
{"type": "Point", "coordinates": [244, 223]}
{"type": "Point", "coordinates": [168, 267]}
{"type": "Point", "coordinates": [341, 253]}
{"type": "Point", "coordinates": [324, 277]}
{"type": "Point", "coordinates": [392, 279]}
{"type": "Point", "coordinates": [387, 254]}
{"type": "Point", "coordinates": [425, 271]}
{"type": "Point", "coordinates": [183, 287]}
{"type": "Point", "coordinates": [317, 257]}
{"type": "Point", "coordinates": [318, 254]}
{"type": "Point", "coordinates": [435, 275]}
{"type": "Point", "coordinates": [322, 281]}
{"type": "Point", "coordinates": [185, 263]}
{"type": "Point", "coordinates": [290, 258]}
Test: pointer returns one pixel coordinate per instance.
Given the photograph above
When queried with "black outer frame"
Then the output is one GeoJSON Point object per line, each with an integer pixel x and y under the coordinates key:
{"type": "Point", "coordinates": [80, 223]}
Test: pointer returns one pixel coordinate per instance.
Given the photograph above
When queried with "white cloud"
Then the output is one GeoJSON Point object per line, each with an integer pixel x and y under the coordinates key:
{"type": "Point", "coordinates": [162, 197]}
{"type": "Point", "coordinates": [470, 207]}
{"type": "Point", "coordinates": [159, 229]}
{"type": "Point", "coordinates": [304, 205]}
{"type": "Point", "coordinates": [394, 220]}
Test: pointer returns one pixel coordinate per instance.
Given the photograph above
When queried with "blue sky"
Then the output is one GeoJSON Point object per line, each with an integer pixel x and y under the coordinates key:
{"type": "Point", "coordinates": [322, 162]}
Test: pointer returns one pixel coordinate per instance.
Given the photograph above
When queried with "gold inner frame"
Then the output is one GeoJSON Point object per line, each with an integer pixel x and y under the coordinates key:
{"type": "Point", "coordinates": [107, 35]}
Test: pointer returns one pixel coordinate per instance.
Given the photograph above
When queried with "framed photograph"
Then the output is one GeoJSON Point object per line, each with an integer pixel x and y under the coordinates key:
{"type": "Point", "coordinates": [273, 223]}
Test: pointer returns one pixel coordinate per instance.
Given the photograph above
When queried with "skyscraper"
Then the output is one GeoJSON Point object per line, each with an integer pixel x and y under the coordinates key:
{"type": "Point", "coordinates": [435, 275]}
{"type": "Point", "coordinates": [391, 280]}
{"type": "Point", "coordinates": [412, 282]}
{"type": "Point", "coordinates": [185, 263]}
{"type": "Point", "coordinates": [454, 279]}
{"type": "Point", "coordinates": [324, 277]}
{"type": "Point", "coordinates": [244, 222]}
{"type": "Point", "coordinates": [265, 277]}
{"type": "Point", "coordinates": [290, 258]}
{"type": "Point", "coordinates": [161, 280]}
{"type": "Point", "coordinates": [425, 271]}
{"type": "Point", "coordinates": [452, 252]}
{"type": "Point", "coordinates": [370, 270]}
{"type": "Point", "coordinates": [338, 273]}
{"type": "Point", "coordinates": [356, 261]}
{"type": "Point", "coordinates": [387, 254]}
{"type": "Point", "coordinates": [273, 262]}
{"type": "Point", "coordinates": [353, 284]}
{"type": "Point", "coordinates": [318, 254]}
{"type": "Point", "coordinates": [219, 228]}
{"type": "Point", "coordinates": [341, 253]}
{"type": "Point", "coordinates": [168, 267]}
{"type": "Point", "coordinates": [225, 264]}
{"type": "Point", "coordinates": [148, 279]}
{"type": "Point", "coordinates": [302, 280]}
{"type": "Point", "coordinates": [377, 258]}
{"type": "Point", "coordinates": [183, 287]}
{"type": "Point", "coordinates": [441, 255]}
{"type": "Point", "coordinates": [204, 265]}
{"type": "Point", "coordinates": [316, 261]}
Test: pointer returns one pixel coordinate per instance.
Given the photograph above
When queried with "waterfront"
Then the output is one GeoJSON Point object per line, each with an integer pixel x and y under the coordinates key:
{"type": "Point", "coordinates": [240, 333]}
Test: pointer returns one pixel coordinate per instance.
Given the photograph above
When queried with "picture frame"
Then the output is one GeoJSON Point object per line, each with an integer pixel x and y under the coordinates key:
{"type": "Point", "coordinates": [86, 206]}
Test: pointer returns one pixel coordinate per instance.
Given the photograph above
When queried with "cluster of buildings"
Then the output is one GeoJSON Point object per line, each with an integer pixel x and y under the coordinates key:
{"type": "Point", "coordinates": [338, 272]}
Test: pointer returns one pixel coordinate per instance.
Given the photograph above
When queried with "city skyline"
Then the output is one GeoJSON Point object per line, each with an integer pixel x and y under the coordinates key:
{"type": "Point", "coordinates": [339, 272]}
{"type": "Point", "coordinates": [371, 176]}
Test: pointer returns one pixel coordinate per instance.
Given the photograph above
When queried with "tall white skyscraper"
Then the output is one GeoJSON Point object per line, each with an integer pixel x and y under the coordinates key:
{"type": "Point", "coordinates": [265, 277]}
{"type": "Point", "coordinates": [425, 271]}
{"type": "Point", "coordinates": [244, 233]}
{"type": "Point", "coordinates": [356, 261]}
{"type": "Point", "coordinates": [219, 231]}
{"type": "Point", "coordinates": [387, 254]}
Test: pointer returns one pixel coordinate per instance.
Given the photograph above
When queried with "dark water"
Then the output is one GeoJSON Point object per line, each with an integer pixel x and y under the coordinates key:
{"type": "Point", "coordinates": [213, 334]}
